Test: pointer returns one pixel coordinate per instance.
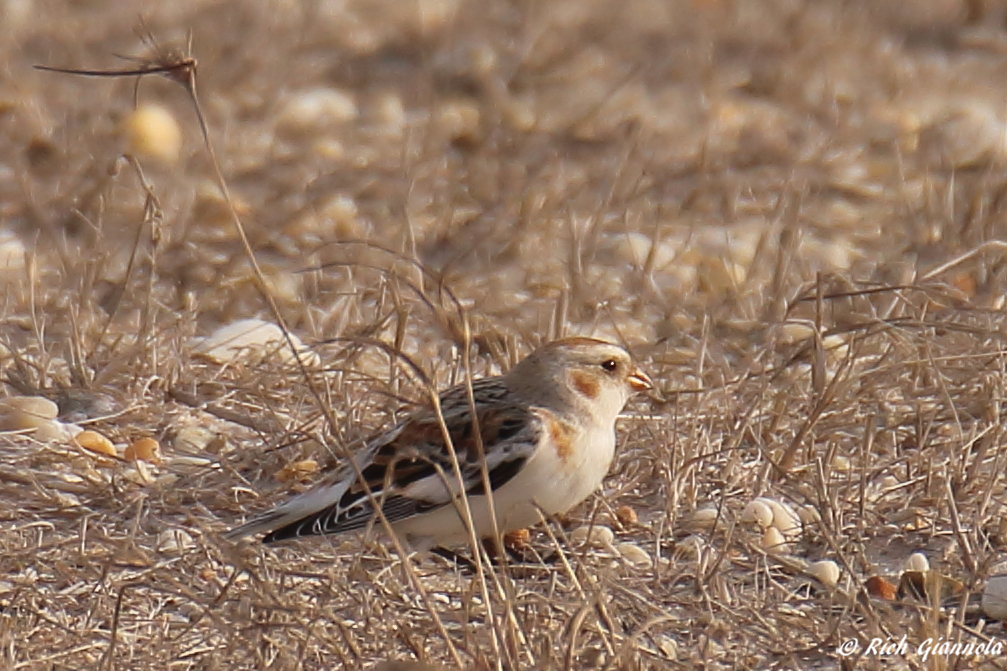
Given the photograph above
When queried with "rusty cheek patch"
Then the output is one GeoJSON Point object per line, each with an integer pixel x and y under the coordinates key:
{"type": "Point", "coordinates": [561, 438]}
{"type": "Point", "coordinates": [586, 385]}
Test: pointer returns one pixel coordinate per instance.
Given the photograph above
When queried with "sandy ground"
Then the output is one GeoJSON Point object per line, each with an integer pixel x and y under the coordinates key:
{"type": "Point", "coordinates": [790, 212]}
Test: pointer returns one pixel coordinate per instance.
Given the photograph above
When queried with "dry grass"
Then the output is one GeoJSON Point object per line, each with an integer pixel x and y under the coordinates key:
{"type": "Point", "coordinates": [822, 307]}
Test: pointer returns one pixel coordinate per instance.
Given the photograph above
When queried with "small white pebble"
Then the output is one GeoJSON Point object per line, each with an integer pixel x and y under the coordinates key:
{"type": "Point", "coordinates": [773, 541]}
{"type": "Point", "coordinates": [26, 412]}
{"type": "Point", "coordinates": [827, 572]}
{"type": "Point", "coordinates": [917, 561]}
{"type": "Point", "coordinates": [597, 536]}
{"type": "Point", "coordinates": [53, 430]}
{"type": "Point", "coordinates": [315, 109]}
{"type": "Point", "coordinates": [809, 514]}
{"type": "Point", "coordinates": [250, 338]}
{"type": "Point", "coordinates": [635, 556]}
{"type": "Point", "coordinates": [27, 577]}
{"type": "Point", "coordinates": [701, 519]}
{"type": "Point", "coordinates": [784, 518]}
{"type": "Point", "coordinates": [793, 331]}
{"type": "Point", "coordinates": [994, 600]}
{"type": "Point", "coordinates": [758, 512]}
{"type": "Point", "coordinates": [193, 438]}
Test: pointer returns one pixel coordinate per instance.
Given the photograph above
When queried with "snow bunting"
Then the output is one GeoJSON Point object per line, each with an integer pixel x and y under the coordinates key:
{"type": "Point", "coordinates": [548, 432]}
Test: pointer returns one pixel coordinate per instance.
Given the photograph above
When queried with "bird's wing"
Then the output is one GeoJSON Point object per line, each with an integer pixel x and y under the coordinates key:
{"type": "Point", "coordinates": [408, 469]}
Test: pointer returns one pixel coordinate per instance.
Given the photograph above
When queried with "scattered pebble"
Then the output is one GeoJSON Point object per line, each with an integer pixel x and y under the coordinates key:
{"type": "Point", "coordinates": [194, 438]}
{"type": "Point", "coordinates": [827, 572]}
{"type": "Point", "coordinates": [145, 449]}
{"type": "Point", "coordinates": [773, 541]}
{"type": "Point", "coordinates": [460, 121]}
{"type": "Point", "coordinates": [626, 516]}
{"type": "Point", "coordinates": [337, 218]}
{"type": "Point", "coordinates": [635, 556]}
{"type": "Point", "coordinates": [888, 482]}
{"type": "Point", "coordinates": [95, 442]}
{"type": "Point", "coordinates": [517, 539]}
{"type": "Point", "coordinates": [719, 277]}
{"type": "Point", "coordinates": [53, 431]}
{"type": "Point", "coordinates": [785, 518]}
{"type": "Point", "coordinates": [152, 132]}
{"type": "Point", "coordinates": [994, 599]}
{"type": "Point", "coordinates": [212, 213]}
{"type": "Point", "coordinates": [635, 248]}
{"type": "Point", "coordinates": [794, 331]}
{"type": "Point", "coordinates": [311, 110]}
{"type": "Point", "coordinates": [809, 514]}
{"type": "Point", "coordinates": [250, 339]}
{"type": "Point", "coordinates": [758, 512]}
{"type": "Point", "coordinates": [841, 463]}
{"type": "Point", "coordinates": [917, 561]}
{"type": "Point", "coordinates": [880, 588]}
{"type": "Point", "coordinates": [701, 519]}
{"type": "Point", "coordinates": [26, 412]}
{"type": "Point", "coordinates": [690, 546]}
{"type": "Point", "coordinates": [596, 536]}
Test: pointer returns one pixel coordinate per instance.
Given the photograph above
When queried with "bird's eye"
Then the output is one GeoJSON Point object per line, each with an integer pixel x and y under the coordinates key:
{"type": "Point", "coordinates": [610, 365]}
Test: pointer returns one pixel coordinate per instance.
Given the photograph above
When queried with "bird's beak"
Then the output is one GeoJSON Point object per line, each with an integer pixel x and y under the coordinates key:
{"type": "Point", "coordinates": [640, 381]}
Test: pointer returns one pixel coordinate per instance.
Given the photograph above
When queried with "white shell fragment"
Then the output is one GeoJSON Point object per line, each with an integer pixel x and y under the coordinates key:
{"type": "Point", "coordinates": [785, 518]}
{"type": "Point", "coordinates": [773, 541]}
{"type": "Point", "coordinates": [994, 601]}
{"type": "Point", "coordinates": [251, 339]}
{"type": "Point", "coordinates": [758, 512]}
{"type": "Point", "coordinates": [635, 556]}
{"type": "Point", "coordinates": [26, 412]}
{"type": "Point", "coordinates": [827, 572]}
{"type": "Point", "coordinates": [917, 561]}
{"type": "Point", "coordinates": [809, 514]}
{"type": "Point", "coordinates": [701, 519]}
{"type": "Point", "coordinates": [596, 536]}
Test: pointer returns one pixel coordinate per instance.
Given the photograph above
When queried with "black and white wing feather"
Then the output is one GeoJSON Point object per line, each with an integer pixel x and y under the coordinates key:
{"type": "Point", "coordinates": [408, 470]}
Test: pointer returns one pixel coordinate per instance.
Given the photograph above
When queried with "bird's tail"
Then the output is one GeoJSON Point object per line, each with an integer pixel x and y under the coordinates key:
{"type": "Point", "coordinates": [297, 508]}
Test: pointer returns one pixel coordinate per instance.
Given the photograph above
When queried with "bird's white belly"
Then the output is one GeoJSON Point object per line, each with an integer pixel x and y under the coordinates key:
{"type": "Point", "coordinates": [547, 481]}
